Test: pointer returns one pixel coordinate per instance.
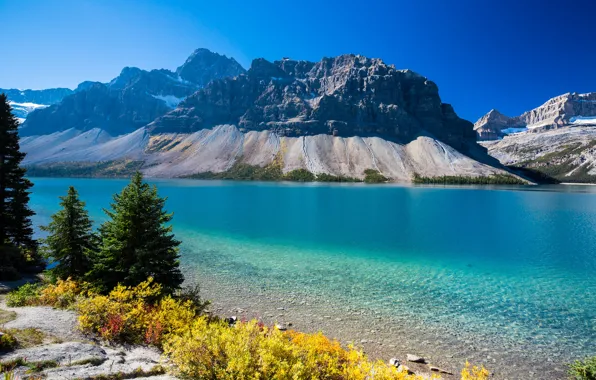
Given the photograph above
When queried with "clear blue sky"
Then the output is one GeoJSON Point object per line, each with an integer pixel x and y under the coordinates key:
{"type": "Point", "coordinates": [507, 54]}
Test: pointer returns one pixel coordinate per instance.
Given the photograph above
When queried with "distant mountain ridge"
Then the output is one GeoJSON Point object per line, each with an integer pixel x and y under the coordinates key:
{"type": "Point", "coordinates": [557, 139]}
{"type": "Point", "coordinates": [131, 100]}
{"type": "Point", "coordinates": [47, 97]}
{"type": "Point", "coordinates": [561, 111]}
{"type": "Point", "coordinates": [23, 102]}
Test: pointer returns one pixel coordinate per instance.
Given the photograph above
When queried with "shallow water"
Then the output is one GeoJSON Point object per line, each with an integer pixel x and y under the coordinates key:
{"type": "Point", "coordinates": [514, 267]}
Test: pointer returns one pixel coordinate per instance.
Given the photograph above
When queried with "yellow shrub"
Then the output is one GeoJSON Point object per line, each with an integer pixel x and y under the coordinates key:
{"type": "Point", "coordinates": [63, 294]}
{"type": "Point", "coordinates": [474, 373]}
{"type": "Point", "coordinates": [253, 351]}
{"type": "Point", "coordinates": [132, 314]}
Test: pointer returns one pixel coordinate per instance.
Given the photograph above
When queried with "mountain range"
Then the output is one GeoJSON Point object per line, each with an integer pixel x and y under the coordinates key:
{"type": "Point", "coordinates": [566, 110]}
{"type": "Point", "coordinates": [339, 116]}
{"type": "Point", "coordinates": [557, 140]}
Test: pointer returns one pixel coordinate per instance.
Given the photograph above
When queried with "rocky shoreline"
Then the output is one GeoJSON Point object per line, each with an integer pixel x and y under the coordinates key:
{"type": "Point", "coordinates": [423, 348]}
{"type": "Point", "coordinates": [380, 336]}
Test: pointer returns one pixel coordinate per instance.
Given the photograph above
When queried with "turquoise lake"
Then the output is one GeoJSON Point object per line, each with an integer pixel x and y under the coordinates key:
{"type": "Point", "coordinates": [515, 266]}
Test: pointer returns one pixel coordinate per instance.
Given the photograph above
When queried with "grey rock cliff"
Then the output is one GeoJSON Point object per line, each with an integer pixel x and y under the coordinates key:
{"type": "Point", "coordinates": [348, 95]}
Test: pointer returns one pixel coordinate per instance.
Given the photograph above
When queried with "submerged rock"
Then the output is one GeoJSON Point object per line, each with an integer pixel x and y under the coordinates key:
{"type": "Point", "coordinates": [415, 359]}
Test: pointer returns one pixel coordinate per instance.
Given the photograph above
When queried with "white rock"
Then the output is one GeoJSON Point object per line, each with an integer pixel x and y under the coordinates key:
{"type": "Point", "coordinates": [415, 359]}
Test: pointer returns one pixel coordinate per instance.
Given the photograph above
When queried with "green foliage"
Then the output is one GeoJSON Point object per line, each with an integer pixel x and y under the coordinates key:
{"type": "Point", "coordinates": [71, 239]}
{"type": "Point", "coordinates": [25, 295]}
{"type": "Point", "coordinates": [8, 342]}
{"type": "Point", "coordinates": [374, 176]}
{"type": "Point", "coordinates": [583, 370]}
{"type": "Point", "coordinates": [273, 172]}
{"type": "Point", "coordinates": [560, 166]}
{"type": "Point", "coordinates": [137, 242]}
{"type": "Point", "coordinates": [34, 367]}
{"type": "Point", "coordinates": [110, 169]}
{"type": "Point", "coordinates": [299, 175]}
{"type": "Point", "coordinates": [245, 172]}
{"type": "Point", "coordinates": [11, 365]}
{"type": "Point", "coordinates": [30, 337]}
{"type": "Point", "coordinates": [323, 177]}
{"type": "Point", "coordinates": [16, 228]}
{"type": "Point", "coordinates": [7, 316]}
{"type": "Point", "coordinates": [495, 179]}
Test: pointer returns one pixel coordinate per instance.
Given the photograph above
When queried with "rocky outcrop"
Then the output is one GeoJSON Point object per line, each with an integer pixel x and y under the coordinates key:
{"type": "Point", "coordinates": [348, 95]}
{"type": "Point", "coordinates": [570, 109]}
{"type": "Point", "coordinates": [133, 99]}
{"type": "Point", "coordinates": [563, 154]}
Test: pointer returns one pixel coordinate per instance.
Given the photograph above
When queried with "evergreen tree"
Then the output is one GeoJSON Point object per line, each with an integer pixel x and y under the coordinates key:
{"type": "Point", "coordinates": [136, 241]}
{"type": "Point", "coordinates": [71, 238]}
{"type": "Point", "coordinates": [15, 215]}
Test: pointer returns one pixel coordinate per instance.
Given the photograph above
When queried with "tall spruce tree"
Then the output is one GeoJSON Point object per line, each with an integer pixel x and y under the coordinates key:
{"type": "Point", "coordinates": [15, 215]}
{"type": "Point", "coordinates": [71, 240]}
{"type": "Point", "coordinates": [137, 242]}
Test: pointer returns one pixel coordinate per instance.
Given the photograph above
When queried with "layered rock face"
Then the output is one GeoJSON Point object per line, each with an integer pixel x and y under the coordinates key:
{"type": "Point", "coordinates": [344, 96]}
{"type": "Point", "coordinates": [565, 110]}
{"type": "Point", "coordinates": [133, 99]}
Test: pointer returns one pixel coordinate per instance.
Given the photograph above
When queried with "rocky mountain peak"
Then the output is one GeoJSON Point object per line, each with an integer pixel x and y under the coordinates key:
{"type": "Point", "coordinates": [203, 66]}
{"type": "Point", "coordinates": [347, 95]}
{"type": "Point", "coordinates": [565, 110]}
{"type": "Point", "coordinates": [262, 69]}
{"type": "Point", "coordinates": [126, 76]}
{"type": "Point", "coordinates": [131, 100]}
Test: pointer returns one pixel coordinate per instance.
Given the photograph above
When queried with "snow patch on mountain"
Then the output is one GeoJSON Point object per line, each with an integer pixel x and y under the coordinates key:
{"type": "Point", "coordinates": [583, 120]}
{"type": "Point", "coordinates": [170, 100]}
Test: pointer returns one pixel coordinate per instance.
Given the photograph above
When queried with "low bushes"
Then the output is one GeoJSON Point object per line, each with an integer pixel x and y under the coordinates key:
{"type": "Point", "coordinates": [374, 176]}
{"type": "Point", "coordinates": [62, 294]}
{"type": "Point", "coordinates": [583, 370]}
{"type": "Point", "coordinates": [208, 348]}
{"type": "Point", "coordinates": [8, 342]}
{"type": "Point", "coordinates": [26, 295]}
{"type": "Point", "coordinates": [494, 179]}
{"type": "Point", "coordinates": [135, 314]}
{"type": "Point", "coordinates": [213, 350]}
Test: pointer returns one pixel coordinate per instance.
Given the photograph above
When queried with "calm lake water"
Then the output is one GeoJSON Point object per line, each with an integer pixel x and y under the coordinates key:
{"type": "Point", "coordinates": [514, 265]}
